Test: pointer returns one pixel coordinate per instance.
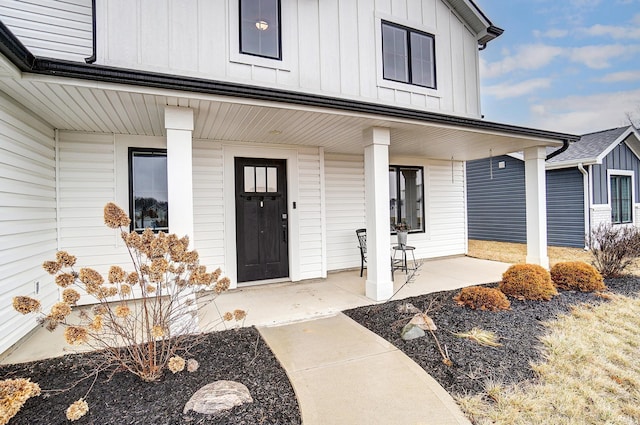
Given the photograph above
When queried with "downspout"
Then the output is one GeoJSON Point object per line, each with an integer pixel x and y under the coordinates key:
{"type": "Point", "coordinates": [565, 146]}
{"type": "Point", "coordinates": [586, 202]}
{"type": "Point", "coordinates": [93, 58]}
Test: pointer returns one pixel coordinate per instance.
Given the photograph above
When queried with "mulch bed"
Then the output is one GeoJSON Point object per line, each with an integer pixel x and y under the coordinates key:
{"type": "Point", "coordinates": [238, 355]}
{"type": "Point", "coordinates": [518, 330]}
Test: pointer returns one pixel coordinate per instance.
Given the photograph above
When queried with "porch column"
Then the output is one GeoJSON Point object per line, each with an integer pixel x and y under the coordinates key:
{"type": "Point", "coordinates": [536, 194]}
{"type": "Point", "coordinates": [179, 125]}
{"type": "Point", "coordinates": [379, 285]}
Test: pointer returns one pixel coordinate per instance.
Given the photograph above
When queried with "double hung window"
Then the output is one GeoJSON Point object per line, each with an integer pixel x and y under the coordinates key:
{"type": "Point", "coordinates": [148, 193]}
{"type": "Point", "coordinates": [408, 55]}
{"type": "Point", "coordinates": [406, 203]}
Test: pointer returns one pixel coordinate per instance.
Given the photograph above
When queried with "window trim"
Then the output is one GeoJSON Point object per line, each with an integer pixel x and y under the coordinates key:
{"type": "Point", "coordinates": [279, 13]}
{"type": "Point", "coordinates": [130, 153]}
{"type": "Point", "coordinates": [397, 168]}
{"type": "Point", "coordinates": [408, 31]}
{"type": "Point", "coordinates": [617, 174]}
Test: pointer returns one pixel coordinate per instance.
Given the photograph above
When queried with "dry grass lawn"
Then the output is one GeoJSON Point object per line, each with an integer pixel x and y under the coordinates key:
{"type": "Point", "coordinates": [590, 375]}
{"type": "Point", "coordinates": [516, 253]}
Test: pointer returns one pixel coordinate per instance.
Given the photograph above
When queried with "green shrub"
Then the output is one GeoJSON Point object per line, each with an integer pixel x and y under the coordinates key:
{"type": "Point", "coordinates": [528, 282]}
{"type": "Point", "coordinates": [613, 248]}
{"type": "Point", "coordinates": [577, 276]}
{"type": "Point", "coordinates": [481, 298]}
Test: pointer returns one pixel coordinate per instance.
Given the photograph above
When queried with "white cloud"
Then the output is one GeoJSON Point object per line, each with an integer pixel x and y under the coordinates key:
{"type": "Point", "coordinates": [621, 76]}
{"type": "Point", "coordinates": [507, 90]}
{"type": "Point", "coordinates": [599, 56]}
{"type": "Point", "coordinates": [551, 33]}
{"type": "Point", "coordinates": [585, 114]}
{"type": "Point", "coordinates": [527, 57]}
{"type": "Point", "coordinates": [617, 32]}
{"type": "Point", "coordinates": [636, 19]}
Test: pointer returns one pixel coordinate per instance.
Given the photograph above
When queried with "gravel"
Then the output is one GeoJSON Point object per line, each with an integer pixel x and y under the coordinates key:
{"type": "Point", "coordinates": [518, 330]}
{"type": "Point", "coordinates": [239, 355]}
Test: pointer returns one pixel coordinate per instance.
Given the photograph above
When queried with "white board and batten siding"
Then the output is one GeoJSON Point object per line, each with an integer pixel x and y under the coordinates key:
{"type": "Point", "coordinates": [329, 47]}
{"type": "Point", "coordinates": [27, 215]}
{"type": "Point", "coordinates": [51, 28]}
{"type": "Point", "coordinates": [445, 221]}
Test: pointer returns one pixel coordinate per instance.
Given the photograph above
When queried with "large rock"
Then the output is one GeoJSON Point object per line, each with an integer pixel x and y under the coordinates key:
{"type": "Point", "coordinates": [411, 331]}
{"type": "Point", "coordinates": [218, 396]}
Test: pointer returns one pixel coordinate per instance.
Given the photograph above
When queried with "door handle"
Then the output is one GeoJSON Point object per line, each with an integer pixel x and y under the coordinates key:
{"type": "Point", "coordinates": [284, 233]}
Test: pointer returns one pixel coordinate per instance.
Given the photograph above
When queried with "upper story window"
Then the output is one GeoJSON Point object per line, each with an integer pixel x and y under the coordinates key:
{"type": "Point", "coordinates": [148, 193]}
{"type": "Point", "coordinates": [260, 28]}
{"type": "Point", "coordinates": [621, 202]}
{"type": "Point", "coordinates": [408, 55]}
{"type": "Point", "coordinates": [406, 203]}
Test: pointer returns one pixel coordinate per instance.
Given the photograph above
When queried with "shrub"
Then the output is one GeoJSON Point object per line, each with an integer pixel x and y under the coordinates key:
{"type": "Point", "coordinates": [577, 276]}
{"type": "Point", "coordinates": [528, 282]}
{"type": "Point", "coordinates": [13, 394]}
{"type": "Point", "coordinates": [478, 297]}
{"type": "Point", "coordinates": [613, 248]}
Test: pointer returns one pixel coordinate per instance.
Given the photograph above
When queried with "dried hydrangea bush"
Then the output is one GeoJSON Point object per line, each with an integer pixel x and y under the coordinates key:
{"type": "Point", "coordinates": [142, 317]}
{"type": "Point", "coordinates": [13, 394]}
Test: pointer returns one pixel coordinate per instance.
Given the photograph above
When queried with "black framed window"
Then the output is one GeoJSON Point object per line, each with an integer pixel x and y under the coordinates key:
{"type": "Point", "coordinates": [406, 200]}
{"type": "Point", "coordinates": [621, 200]}
{"type": "Point", "coordinates": [148, 193]}
{"type": "Point", "coordinates": [408, 55]}
{"type": "Point", "coordinates": [260, 28]}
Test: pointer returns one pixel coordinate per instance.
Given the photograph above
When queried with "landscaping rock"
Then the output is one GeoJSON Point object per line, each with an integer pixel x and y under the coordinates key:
{"type": "Point", "coordinates": [218, 396]}
{"type": "Point", "coordinates": [411, 331]}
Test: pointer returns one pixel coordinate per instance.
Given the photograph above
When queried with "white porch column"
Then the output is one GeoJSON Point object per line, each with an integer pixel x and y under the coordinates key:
{"type": "Point", "coordinates": [179, 125]}
{"type": "Point", "coordinates": [536, 193]}
{"type": "Point", "coordinates": [376, 142]}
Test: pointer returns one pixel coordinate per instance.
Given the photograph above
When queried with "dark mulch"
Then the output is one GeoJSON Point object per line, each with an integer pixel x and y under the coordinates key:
{"type": "Point", "coordinates": [238, 355]}
{"type": "Point", "coordinates": [473, 364]}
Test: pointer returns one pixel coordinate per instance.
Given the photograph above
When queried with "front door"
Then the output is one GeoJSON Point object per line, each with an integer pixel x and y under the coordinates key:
{"type": "Point", "coordinates": [261, 219]}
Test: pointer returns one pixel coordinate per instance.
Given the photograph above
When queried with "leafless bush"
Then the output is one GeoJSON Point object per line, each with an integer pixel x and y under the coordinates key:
{"type": "Point", "coordinates": [613, 248]}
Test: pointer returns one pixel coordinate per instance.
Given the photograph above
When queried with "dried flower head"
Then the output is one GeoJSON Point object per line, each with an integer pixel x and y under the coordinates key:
{"type": "Point", "coordinates": [157, 331]}
{"type": "Point", "coordinates": [13, 394]}
{"type": "Point", "coordinates": [90, 277]}
{"type": "Point", "coordinates": [96, 323]}
{"type": "Point", "coordinates": [159, 246]}
{"type": "Point", "coordinates": [60, 311]}
{"type": "Point", "coordinates": [51, 267]}
{"type": "Point", "coordinates": [70, 296]}
{"type": "Point", "coordinates": [190, 257]}
{"type": "Point", "coordinates": [115, 217]}
{"type": "Point", "coordinates": [65, 259]}
{"type": "Point", "coordinates": [116, 274]}
{"type": "Point", "coordinates": [122, 311]}
{"type": "Point", "coordinates": [26, 305]}
{"type": "Point", "coordinates": [125, 290]}
{"type": "Point", "coordinates": [132, 278]}
{"type": "Point", "coordinates": [77, 410]}
{"type": "Point", "coordinates": [65, 279]}
{"type": "Point", "coordinates": [99, 309]}
{"type": "Point", "coordinates": [106, 292]}
{"type": "Point", "coordinates": [222, 285]}
{"type": "Point", "coordinates": [192, 365]}
{"type": "Point", "coordinates": [133, 240]}
{"type": "Point", "coordinates": [228, 316]}
{"type": "Point", "coordinates": [239, 314]}
{"type": "Point", "coordinates": [176, 364]}
{"type": "Point", "coordinates": [151, 289]}
{"type": "Point", "coordinates": [76, 335]}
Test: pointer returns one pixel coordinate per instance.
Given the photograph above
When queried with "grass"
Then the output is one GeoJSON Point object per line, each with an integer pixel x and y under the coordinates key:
{"type": "Point", "coordinates": [508, 252]}
{"type": "Point", "coordinates": [590, 373]}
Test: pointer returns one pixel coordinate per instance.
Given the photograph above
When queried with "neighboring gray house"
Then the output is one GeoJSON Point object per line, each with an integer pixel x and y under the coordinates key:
{"type": "Point", "coordinates": [596, 180]}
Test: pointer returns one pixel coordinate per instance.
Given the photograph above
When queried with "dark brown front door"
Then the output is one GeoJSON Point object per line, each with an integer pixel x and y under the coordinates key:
{"type": "Point", "coordinates": [261, 219]}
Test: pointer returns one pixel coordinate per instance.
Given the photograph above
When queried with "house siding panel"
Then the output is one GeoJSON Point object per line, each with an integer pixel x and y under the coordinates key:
{"type": "Point", "coordinates": [27, 215]}
{"type": "Point", "coordinates": [565, 207]}
{"type": "Point", "coordinates": [620, 158]}
{"type": "Point", "coordinates": [51, 28]}
{"type": "Point", "coordinates": [496, 200]}
{"type": "Point", "coordinates": [310, 208]}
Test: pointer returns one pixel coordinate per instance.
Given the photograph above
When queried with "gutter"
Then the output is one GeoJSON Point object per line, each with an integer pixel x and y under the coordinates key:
{"type": "Point", "coordinates": [24, 60]}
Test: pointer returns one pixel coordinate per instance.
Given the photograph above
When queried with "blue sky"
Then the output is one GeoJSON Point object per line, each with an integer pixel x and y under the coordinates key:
{"type": "Point", "coordinates": [563, 65]}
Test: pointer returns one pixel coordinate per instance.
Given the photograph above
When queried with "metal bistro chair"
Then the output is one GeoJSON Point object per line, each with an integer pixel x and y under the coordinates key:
{"type": "Point", "coordinates": [362, 241]}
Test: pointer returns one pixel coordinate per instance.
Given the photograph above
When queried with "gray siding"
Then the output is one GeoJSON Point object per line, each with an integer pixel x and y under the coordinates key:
{"type": "Point", "coordinates": [496, 206]}
{"type": "Point", "coordinates": [620, 158]}
{"type": "Point", "coordinates": [565, 207]}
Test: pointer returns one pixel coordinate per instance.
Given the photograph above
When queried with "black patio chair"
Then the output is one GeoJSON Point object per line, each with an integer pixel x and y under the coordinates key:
{"type": "Point", "coordinates": [362, 241]}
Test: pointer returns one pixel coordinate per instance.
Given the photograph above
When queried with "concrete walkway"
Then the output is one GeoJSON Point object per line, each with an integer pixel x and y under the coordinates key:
{"type": "Point", "coordinates": [343, 373]}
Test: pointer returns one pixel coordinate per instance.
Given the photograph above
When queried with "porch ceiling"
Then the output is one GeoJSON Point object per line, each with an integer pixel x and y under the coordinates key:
{"type": "Point", "coordinates": [76, 105]}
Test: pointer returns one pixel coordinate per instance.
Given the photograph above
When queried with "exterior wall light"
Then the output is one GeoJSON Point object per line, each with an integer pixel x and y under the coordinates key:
{"type": "Point", "coordinates": [262, 25]}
